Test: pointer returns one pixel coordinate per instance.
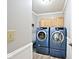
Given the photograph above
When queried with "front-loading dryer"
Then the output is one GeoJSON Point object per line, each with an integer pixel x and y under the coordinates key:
{"type": "Point", "coordinates": [58, 42]}
{"type": "Point", "coordinates": [42, 40]}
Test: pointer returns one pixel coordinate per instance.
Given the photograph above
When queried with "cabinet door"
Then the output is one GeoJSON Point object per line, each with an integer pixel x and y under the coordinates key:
{"type": "Point", "coordinates": [60, 21]}
{"type": "Point", "coordinates": [49, 22]}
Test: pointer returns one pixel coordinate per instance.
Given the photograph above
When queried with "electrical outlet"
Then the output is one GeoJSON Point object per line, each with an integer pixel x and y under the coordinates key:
{"type": "Point", "coordinates": [10, 35]}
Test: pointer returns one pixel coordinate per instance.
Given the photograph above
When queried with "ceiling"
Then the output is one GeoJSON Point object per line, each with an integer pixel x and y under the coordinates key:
{"type": "Point", "coordinates": [47, 6]}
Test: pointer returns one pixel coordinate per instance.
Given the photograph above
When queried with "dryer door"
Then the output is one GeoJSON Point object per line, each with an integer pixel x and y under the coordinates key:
{"type": "Point", "coordinates": [57, 37]}
{"type": "Point", "coordinates": [41, 35]}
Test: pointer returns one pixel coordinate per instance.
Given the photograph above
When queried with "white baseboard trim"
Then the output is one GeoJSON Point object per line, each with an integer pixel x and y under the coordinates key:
{"type": "Point", "coordinates": [18, 50]}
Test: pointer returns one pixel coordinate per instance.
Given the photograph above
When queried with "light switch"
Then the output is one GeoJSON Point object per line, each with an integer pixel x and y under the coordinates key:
{"type": "Point", "coordinates": [11, 35]}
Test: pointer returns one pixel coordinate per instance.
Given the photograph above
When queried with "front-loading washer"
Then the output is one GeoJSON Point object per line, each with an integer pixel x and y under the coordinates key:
{"type": "Point", "coordinates": [58, 42]}
{"type": "Point", "coordinates": [42, 40]}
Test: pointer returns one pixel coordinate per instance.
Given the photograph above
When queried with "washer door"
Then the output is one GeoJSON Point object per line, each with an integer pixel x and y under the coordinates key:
{"type": "Point", "coordinates": [41, 35]}
{"type": "Point", "coordinates": [57, 37]}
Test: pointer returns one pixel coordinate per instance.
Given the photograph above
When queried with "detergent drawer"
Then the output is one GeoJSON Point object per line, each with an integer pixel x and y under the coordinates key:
{"type": "Point", "coordinates": [58, 53]}
{"type": "Point", "coordinates": [42, 50]}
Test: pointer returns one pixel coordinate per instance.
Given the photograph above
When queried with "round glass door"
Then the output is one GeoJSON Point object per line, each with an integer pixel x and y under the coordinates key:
{"type": "Point", "coordinates": [41, 35]}
{"type": "Point", "coordinates": [58, 37]}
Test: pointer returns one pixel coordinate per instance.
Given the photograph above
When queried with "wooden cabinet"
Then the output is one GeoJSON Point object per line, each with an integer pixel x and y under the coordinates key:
{"type": "Point", "coordinates": [49, 22]}
{"type": "Point", "coordinates": [44, 22]}
{"type": "Point", "coordinates": [59, 21]}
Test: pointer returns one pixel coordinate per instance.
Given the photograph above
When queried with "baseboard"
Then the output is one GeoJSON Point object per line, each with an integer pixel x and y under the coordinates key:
{"type": "Point", "coordinates": [18, 50]}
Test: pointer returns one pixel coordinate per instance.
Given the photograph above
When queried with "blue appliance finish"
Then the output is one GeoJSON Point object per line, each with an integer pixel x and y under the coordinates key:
{"type": "Point", "coordinates": [42, 40]}
{"type": "Point", "coordinates": [58, 42]}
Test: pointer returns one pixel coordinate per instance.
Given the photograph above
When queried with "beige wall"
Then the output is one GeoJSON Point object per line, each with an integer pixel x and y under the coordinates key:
{"type": "Point", "coordinates": [19, 18]}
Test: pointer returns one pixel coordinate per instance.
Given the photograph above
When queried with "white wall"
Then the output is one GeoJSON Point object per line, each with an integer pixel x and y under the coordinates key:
{"type": "Point", "coordinates": [69, 52]}
{"type": "Point", "coordinates": [19, 18]}
{"type": "Point", "coordinates": [67, 18]}
{"type": "Point", "coordinates": [34, 21]}
{"type": "Point", "coordinates": [67, 24]}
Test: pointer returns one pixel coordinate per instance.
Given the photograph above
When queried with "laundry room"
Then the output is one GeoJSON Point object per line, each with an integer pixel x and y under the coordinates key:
{"type": "Point", "coordinates": [51, 20]}
{"type": "Point", "coordinates": [39, 29]}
